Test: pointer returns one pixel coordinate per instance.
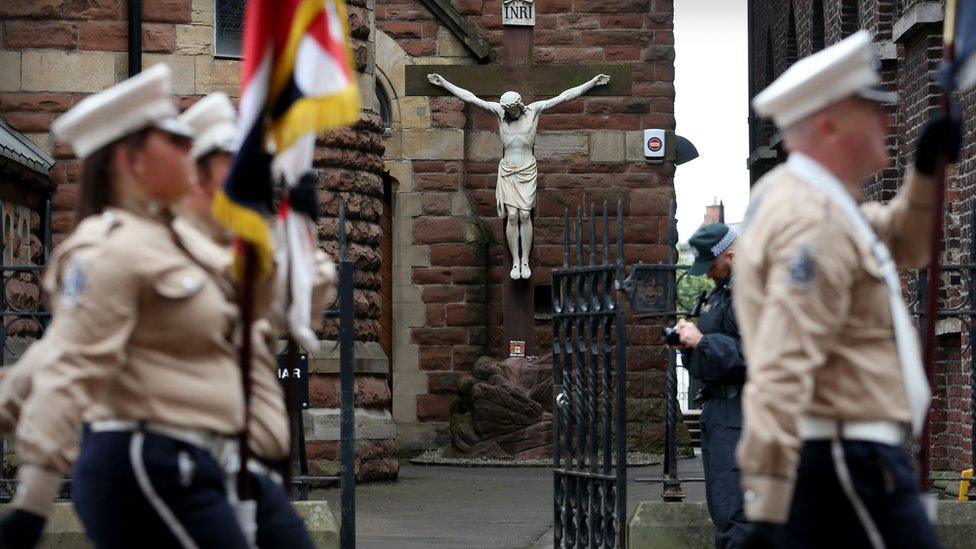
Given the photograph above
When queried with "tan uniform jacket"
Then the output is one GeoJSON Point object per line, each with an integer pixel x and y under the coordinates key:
{"type": "Point", "coordinates": [141, 328]}
{"type": "Point", "coordinates": [816, 322]}
{"type": "Point", "coordinates": [269, 434]}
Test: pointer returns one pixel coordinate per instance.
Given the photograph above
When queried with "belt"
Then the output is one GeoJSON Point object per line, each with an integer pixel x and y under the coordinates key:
{"type": "Point", "coordinates": [720, 391]}
{"type": "Point", "coordinates": [883, 432]}
{"type": "Point", "coordinates": [224, 449]}
{"type": "Point", "coordinates": [258, 467]}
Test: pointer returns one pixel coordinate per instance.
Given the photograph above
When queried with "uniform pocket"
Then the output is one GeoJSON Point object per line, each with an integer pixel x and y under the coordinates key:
{"type": "Point", "coordinates": [179, 283]}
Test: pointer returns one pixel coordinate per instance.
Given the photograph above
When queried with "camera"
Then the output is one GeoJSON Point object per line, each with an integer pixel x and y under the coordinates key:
{"type": "Point", "coordinates": [670, 336]}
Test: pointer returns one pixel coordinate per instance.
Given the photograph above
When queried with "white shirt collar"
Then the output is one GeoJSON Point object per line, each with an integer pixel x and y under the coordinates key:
{"type": "Point", "coordinates": [809, 169]}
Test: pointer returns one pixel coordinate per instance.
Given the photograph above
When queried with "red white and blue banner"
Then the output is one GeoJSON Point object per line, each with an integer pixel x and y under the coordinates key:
{"type": "Point", "coordinates": [297, 79]}
{"type": "Point", "coordinates": [959, 72]}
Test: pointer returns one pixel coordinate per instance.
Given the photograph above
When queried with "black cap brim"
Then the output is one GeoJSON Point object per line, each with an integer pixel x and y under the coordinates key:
{"type": "Point", "coordinates": [701, 266]}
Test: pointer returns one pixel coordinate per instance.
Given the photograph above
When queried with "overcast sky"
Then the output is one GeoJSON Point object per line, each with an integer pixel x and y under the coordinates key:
{"type": "Point", "coordinates": [711, 108]}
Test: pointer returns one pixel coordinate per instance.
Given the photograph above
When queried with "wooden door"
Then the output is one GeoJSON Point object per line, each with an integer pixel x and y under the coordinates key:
{"type": "Point", "coordinates": [386, 272]}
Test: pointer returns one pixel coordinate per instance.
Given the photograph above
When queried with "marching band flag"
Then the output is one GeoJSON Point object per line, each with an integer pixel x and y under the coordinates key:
{"type": "Point", "coordinates": [297, 79]}
{"type": "Point", "coordinates": [959, 72]}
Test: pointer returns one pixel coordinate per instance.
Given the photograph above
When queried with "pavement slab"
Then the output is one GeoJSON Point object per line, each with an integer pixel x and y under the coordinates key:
{"type": "Point", "coordinates": [489, 507]}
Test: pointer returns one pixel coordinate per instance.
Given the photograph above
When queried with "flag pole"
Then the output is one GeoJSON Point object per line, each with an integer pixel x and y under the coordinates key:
{"type": "Point", "coordinates": [245, 486]}
{"type": "Point", "coordinates": [934, 270]}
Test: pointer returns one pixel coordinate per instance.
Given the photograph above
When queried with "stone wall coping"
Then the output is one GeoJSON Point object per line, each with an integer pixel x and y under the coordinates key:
{"type": "Point", "coordinates": [323, 424]}
{"type": "Point", "coordinates": [64, 529]}
{"type": "Point", "coordinates": [656, 525]}
{"type": "Point", "coordinates": [460, 26]}
{"type": "Point", "coordinates": [947, 326]}
{"type": "Point", "coordinates": [370, 358]}
{"type": "Point", "coordinates": [921, 14]}
{"type": "Point", "coordinates": [886, 50]}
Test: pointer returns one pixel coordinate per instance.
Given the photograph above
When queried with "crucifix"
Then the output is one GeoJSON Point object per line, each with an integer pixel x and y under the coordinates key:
{"type": "Point", "coordinates": [518, 118]}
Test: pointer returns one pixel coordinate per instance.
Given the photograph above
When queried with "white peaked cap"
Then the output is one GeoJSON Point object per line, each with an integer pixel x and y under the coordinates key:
{"type": "Point", "coordinates": [214, 122]}
{"type": "Point", "coordinates": [145, 100]}
{"type": "Point", "coordinates": [846, 69]}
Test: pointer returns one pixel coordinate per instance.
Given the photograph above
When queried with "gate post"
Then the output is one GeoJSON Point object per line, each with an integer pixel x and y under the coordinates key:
{"type": "Point", "coordinates": [971, 306]}
{"type": "Point", "coordinates": [347, 427]}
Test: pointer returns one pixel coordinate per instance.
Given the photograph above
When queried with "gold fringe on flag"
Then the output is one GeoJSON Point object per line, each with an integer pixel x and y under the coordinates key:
{"type": "Point", "coordinates": [318, 113]}
{"type": "Point", "coordinates": [249, 225]}
{"type": "Point", "coordinates": [313, 113]}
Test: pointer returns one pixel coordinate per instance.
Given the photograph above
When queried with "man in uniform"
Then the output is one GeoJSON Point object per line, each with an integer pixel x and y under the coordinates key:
{"type": "Point", "coordinates": [835, 384]}
{"type": "Point", "coordinates": [712, 353]}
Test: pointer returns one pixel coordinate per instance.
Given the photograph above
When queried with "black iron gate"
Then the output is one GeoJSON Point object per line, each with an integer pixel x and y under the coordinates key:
{"type": "Point", "coordinates": [589, 373]}
{"type": "Point", "coordinates": [957, 300]}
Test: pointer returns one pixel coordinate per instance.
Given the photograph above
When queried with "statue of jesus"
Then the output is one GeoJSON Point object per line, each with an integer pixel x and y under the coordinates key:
{"type": "Point", "coordinates": [517, 172]}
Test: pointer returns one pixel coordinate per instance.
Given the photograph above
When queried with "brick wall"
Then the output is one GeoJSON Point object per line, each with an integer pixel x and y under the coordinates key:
{"type": "Point", "coordinates": [53, 53]}
{"type": "Point", "coordinates": [908, 65]}
{"type": "Point", "coordinates": [445, 155]}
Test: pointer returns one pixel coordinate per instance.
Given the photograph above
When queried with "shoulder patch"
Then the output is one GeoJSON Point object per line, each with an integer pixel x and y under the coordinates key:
{"type": "Point", "coordinates": [73, 282]}
{"type": "Point", "coordinates": [802, 268]}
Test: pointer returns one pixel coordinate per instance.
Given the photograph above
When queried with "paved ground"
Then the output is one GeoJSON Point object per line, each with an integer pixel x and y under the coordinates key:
{"type": "Point", "coordinates": [475, 507]}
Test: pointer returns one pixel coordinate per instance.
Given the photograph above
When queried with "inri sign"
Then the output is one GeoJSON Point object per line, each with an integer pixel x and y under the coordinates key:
{"type": "Point", "coordinates": [518, 13]}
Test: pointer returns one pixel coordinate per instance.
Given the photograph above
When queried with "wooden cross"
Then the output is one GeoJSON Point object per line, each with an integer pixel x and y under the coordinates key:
{"type": "Point", "coordinates": [517, 73]}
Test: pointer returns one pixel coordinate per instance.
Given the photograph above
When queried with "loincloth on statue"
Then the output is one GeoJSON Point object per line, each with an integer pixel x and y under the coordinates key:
{"type": "Point", "coordinates": [517, 184]}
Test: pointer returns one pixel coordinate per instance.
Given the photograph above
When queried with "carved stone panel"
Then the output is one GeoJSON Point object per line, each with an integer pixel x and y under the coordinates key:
{"type": "Point", "coordinates": [518, 13]}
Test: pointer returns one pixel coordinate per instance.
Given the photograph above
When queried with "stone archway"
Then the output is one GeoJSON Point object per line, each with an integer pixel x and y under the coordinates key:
{"type": "Point", "coordinates": [413, 137]}
{"type": "Point", "coordinates": [408, 308]}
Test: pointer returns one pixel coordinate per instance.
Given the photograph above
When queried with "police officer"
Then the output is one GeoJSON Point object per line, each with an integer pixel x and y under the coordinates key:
{"type": "Point", "coordinates": [835, 384]}
{"type": "Point", "coordinates": [213, 119]}
{"type": "Point", "coordinates": [139, 344]}
{"type": "Point", "coordinates": [712, 353]}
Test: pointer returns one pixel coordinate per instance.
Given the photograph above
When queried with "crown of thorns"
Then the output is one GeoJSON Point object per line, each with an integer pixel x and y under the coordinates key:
{"type": "Point", "coordinates": [510, 99]}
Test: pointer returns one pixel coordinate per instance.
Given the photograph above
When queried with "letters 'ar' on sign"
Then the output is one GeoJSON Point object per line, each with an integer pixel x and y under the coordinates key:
{"type": "Point", "coordinates": [518, 13]}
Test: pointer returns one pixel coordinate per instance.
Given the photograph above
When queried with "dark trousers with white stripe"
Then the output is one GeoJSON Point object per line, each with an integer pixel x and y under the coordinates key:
{"type": "Point", "coordinates": [134, 489]}
{"type": "Point", "coordinates": [825, 514]}
{"type": "Point", "coordinates": [279, 526]}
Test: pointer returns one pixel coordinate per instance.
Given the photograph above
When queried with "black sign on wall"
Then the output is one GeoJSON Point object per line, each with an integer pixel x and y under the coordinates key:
{"type": "Point", "coordinates": [297, 375]}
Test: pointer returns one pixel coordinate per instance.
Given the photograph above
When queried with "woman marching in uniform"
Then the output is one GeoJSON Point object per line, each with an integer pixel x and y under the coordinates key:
{"type": "Point", "coordinates": [140, 345]}
{"type": "Point", "coordinates": [213, 121]}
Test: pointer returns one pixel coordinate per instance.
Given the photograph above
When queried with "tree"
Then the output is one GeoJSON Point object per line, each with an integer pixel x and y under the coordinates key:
{"type": "Point", "coordinates": [690, 286]}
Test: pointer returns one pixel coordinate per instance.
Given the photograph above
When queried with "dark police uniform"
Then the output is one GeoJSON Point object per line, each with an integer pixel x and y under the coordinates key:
{"type": "Point", "coordinates": [719, 364]}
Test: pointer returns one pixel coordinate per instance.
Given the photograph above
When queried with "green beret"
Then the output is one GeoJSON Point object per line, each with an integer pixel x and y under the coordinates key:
{"type": "Point", "coordinates": [708, 242]}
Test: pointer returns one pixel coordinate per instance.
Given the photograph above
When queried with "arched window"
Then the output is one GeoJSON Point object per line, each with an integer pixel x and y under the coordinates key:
{"type": "Point", "coordinates": [384, 105]}
{"type": "Point", "coordinates": [791, 49]}
{"type": "Point", "coordinates": [817, 26]}
{"type": "Point", "coordinates": [850, 18]}
{"type": "Point", "coordinates": [229, 28]}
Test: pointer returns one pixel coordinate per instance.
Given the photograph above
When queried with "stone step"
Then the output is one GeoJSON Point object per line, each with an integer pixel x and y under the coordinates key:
{"type": "Point", "coordinates": [661, 525]}
{"type": "Point", "coordinates": [64, 529]}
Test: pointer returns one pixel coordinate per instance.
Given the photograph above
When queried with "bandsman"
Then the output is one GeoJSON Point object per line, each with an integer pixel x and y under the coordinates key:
{"type": "Point", "coordinates": [139, 344]}
{"type": "Point", "coordinates": [213, 119]}
{"type": "Point", "coordinates": [835, 387]}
